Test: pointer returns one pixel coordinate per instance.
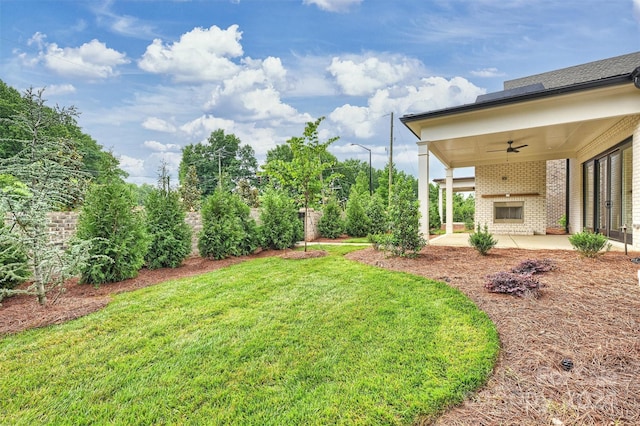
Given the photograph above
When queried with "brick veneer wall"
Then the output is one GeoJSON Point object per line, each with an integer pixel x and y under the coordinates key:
{"type": "Point", "coordinates": [556, 193]}
{"type": "Point", "coordinates": [513, 178]}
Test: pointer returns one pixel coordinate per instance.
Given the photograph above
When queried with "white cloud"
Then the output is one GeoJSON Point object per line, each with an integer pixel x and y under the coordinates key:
{"type": "Point", "coordinates": [91, 60]}
{"type": "Point", "coordinates": [357, 119]}
{"type": "Point", "coordinates": [131, 165]}
{"type": "Point", "coordinates": [161, 147]}
{"type": "Point", "coordinates": [488, 72]}
{"type": "Point", "coordinates": [333, 5]}
{"type": "Point", "coordinates": [428, 94]}
{"type": "Point", "coordinates": [158, 124]}
{"type": "Point", "coordinates": [266, 103]}
{"type": "Point", "coordinates": [200, 55]}
{"type": "Point", "coordinates": [122, 24]}
{"type": "Point", "coordinates": [202, 127]}
{"type": "Point", "coordinates": [636, 9]}
{"type": "Point", "coordinates": [360, 76]}
{"type": "Point", "coordinates": [60, 89]}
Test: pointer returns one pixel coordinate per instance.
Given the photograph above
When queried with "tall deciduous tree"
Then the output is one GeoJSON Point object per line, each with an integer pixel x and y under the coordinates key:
{"type": "Point", "coordinates": [219, 163]}
{"type": "Point", "coordinates": [304, 173]}
{"type": "Point", "coordinates": [44, 175]}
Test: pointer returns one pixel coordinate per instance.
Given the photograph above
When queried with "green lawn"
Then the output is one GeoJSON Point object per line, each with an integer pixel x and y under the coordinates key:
{"type": "Point", "coordinates": [269, 341]}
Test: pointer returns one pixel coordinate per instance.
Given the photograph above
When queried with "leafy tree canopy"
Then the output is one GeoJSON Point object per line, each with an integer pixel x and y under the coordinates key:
{"type": "Point", "coordinates": [14, 137]}
{"type": "Point", "coordinates": [220, 162]}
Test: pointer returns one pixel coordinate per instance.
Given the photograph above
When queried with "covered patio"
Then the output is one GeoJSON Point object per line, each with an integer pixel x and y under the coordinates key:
{"type": "Point", "coordinates": [527, 242]}
{"type": "Point", "coordinates": [587, 115]}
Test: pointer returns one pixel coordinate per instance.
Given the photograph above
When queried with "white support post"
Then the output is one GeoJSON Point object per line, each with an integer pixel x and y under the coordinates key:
{"type": "Point", "coordinates": [449, 200]}
{"type": "Point", "coordinates": [440, 203]}
{"type": "Point", "coordinates": [635, 188]}
{"type": "Point", "coordinates": [423, 187]}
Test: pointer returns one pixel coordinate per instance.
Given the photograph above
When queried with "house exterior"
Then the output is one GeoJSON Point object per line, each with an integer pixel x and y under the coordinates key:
{"type": "Point", "coordinates": [585, 118]}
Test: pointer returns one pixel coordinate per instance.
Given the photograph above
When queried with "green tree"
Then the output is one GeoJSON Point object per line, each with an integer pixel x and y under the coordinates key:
{"type": "Point", "coordinates": [349, 170]}
{"type": "Point", "coordinates": [141, 192]}
{"type": "Point", "coordinates": [45, 174]}
{"type": "Point", "coordinates": [404, 219]}
{"type": "Point", "coordinates": [227, 227]}
{"type": "Point", "coordinates": [110, 219]}
{"type": "Point", "coordinates": [15, 137]}
{"type": "Point", "coordinates": [219, 163]}
{"type": "Point", "coordinates": [376, 211]}
{"type": "Point", "coordinates": [247, 192]}
{"type": "Point", "coordinates": [357, 223]}
{"type": "Point", "coordinates": [170, 235]}
{"type": "Point", "coordinates": [304, 173]}
{"type": "Point", "coordinates": [14, 263]}
{"type": "Point", "coordinates": [281, 152]}
{"type": "Point", "coordinates": [189, 192]}
{"type": "Point", "coordinates": [331, 224]}
{"type": "Point", "coordinates": [280, 226]}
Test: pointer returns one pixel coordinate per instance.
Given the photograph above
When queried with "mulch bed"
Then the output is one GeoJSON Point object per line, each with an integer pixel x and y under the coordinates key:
{"type": "Point", "coordinates": [588, 311]}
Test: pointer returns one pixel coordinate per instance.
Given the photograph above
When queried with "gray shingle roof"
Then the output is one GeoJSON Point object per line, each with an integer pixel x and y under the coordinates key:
{"type": "Point", "coordinates": [592, 71]}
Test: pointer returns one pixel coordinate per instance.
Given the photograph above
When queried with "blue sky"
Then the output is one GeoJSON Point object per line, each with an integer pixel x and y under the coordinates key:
{"type": "Point", "coordinates": [150, 77]}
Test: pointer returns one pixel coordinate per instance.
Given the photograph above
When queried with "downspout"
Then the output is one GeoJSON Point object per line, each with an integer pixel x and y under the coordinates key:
{"type": "Point", "coordinates": [566, 196]}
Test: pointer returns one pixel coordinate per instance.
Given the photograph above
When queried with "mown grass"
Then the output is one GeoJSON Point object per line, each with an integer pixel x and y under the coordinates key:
{"type": "Point", "coordinates": [266, 342]}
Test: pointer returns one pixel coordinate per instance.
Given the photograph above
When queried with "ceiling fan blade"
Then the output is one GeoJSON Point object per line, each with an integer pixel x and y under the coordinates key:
{"type": "Point", "coordinates": [518, 147]}
{"type": "Point", "coordinates": [497, 150]}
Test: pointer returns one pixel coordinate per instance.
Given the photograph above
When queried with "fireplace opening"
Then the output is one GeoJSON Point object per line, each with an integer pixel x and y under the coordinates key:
{"type": "Point", "coordinates": [508, 212]}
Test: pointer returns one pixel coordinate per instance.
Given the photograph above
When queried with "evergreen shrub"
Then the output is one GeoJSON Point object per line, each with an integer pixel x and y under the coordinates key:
{"type": "Point", "coordinates": [280, 226]}
{"type": "Point", "coordinates": [14, 263]}
{"type": "Point", "coordinates": [377, 214]}
{"type": "Point", "coordinates": [170, 235]}
{"type": "Point", "coordinates": [590, 244]}
{"type": "Point", "coordinates": [482, 240]}
{"type": "Point", "coordinates": [110, 219]}
{"type": "Point", "coordinates": [357, 223]}
{"type": "Point", "coordinates": [405, 238]}
{"type": "Point", "coordinates": [227, 227]}
{"type": "Point", "coordinates": [331, 224]}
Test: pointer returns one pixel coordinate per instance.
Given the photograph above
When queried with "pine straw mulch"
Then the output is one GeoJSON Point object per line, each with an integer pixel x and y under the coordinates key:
{"type": "Point", "coordinates": [588, 311]}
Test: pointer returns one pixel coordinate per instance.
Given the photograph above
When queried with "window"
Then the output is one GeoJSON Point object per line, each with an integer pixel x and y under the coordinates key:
{"type": "Point", "coordinates": [508, 212]}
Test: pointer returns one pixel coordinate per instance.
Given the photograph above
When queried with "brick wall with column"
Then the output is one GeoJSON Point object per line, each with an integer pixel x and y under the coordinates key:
{"type": "Point", "coordinates": [556, 192]}
{"type": "Point", "coordinates": [62, 226]}
{"type": "Point", "coordinates": [497, 180]}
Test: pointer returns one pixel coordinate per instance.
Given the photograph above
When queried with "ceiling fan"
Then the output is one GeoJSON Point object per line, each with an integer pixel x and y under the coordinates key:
{"type": "Point", "coordinates": [510, 148]}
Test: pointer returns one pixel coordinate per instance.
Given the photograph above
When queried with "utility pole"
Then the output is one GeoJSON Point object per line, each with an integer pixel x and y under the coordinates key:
{"type": "Point", "coordinates": [220, 151]}
{"type": "Point", "coordinates": [390, 159]}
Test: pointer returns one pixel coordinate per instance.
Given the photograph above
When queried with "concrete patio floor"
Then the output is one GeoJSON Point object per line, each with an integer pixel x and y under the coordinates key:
{"type": "Point", "coordinates": [530, 242]}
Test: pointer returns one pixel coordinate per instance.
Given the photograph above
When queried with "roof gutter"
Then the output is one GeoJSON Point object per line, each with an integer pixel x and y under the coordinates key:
{"type": "Point", "coordinates": [610, 81]}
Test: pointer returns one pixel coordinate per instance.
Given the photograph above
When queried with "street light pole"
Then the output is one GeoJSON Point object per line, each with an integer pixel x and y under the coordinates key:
{"type": "Point", "coordinates": [370, 178]}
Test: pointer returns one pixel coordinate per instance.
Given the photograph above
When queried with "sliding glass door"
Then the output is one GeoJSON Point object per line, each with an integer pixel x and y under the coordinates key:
{"type": "Point", "coordinates": [607, 192]}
